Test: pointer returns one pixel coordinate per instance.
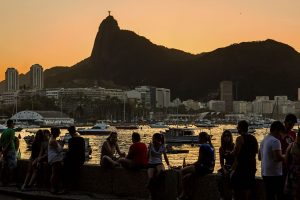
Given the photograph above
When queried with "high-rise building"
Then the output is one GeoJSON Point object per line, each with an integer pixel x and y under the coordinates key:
{"type": "Point", "coordinates": [163, 97]}
{"type": "Point", "coordinates": [227, 95]}
{"type": "Point", "coordinates": [36, 77]}
{"type": "Point", "coordinates": [11, 79]}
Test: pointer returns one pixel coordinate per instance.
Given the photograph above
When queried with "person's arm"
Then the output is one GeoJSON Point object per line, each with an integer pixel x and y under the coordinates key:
{"type": "Point", "coordinates": [222, 159]}
{"type": "Point", "coordinates": [238, 146]}
{"type": "Point", "coordinates": [277, 153]}
{"type": "Point", "coordinates": [122, 154]}
{"type": "Point", "coordinates": [287, 156]}
{"type": "Point", "coordinates": [166, 158]}
{"type": "Point", "coordinates": [130, 153]}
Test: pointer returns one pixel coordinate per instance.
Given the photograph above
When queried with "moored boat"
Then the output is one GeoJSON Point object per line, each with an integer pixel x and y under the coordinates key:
{"type": "Point", "coordinates": [159, 125]}
{"type": "Point", "coordinates": [181, 135]}
{"type": "Point", "coordinates": [97, 129]}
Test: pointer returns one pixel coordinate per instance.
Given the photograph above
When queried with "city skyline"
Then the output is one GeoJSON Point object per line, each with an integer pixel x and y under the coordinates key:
{"type": "Point", "coordinates": [54, 34]}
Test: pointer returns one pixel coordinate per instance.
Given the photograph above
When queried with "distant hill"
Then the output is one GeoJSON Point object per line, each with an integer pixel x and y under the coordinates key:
{"type": "Point", "coordinates": [121, 58]}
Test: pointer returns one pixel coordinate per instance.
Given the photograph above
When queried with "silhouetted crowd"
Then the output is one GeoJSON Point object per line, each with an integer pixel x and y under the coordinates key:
{"type": "Point", "coordinates": [279, 153]}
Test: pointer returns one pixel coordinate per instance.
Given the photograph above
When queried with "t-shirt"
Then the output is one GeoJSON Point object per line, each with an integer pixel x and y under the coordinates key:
{"type": "Point", "coordinates": [138, 153]}
{"type": "Point", "coordinates": [155, 157]}
{"type": "Point", "coordinates": [8, 136]}
{"type": "Point", "coordinates": [208, 156]}
{"type": "Point", "coordinates": [269, 166]}
{"type": "Point", "coordinates": [76, 151]}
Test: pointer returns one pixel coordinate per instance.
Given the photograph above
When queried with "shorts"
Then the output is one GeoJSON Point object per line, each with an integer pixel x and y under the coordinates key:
{"type": "Point", "coordinates": [9, 160]}
{"type": "Point", "coordinates": [154, 165]}
{"type": "Point", "coordinates": [201, 170]}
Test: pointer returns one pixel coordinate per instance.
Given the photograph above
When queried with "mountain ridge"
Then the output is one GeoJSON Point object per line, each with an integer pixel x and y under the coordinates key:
{"type": "Point", "coordinates": [122, 58]}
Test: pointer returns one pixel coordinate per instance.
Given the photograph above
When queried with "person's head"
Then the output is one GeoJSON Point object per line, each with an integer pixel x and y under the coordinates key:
{"type": "Point", "coordinates": [39, 136]}
{"type": "Point", "coordinates": [290, 121]}
{"type": "Point", "coordinates": [72, 130]}
{"type": "Point", "coordinates": [277, 128]}
{"type": "Point", "coordinates": [46, 135]}
{"type": "Point", "coordinates": [226, 139]}
{"type": "Point", "coordinates": [136, 137]}
{"type": "Point", "coordinates": [158, 139]}
{"type": "Point", "coordinates": [204, 138]}
{"type": "Point", "coordinates": [113, 137]}
{"type": "Point", "coordinates": [242, 126]}
{"type": "Point", "coordinates": [55, 132]}
{"type": "Point", "coordinates": [10, 123]}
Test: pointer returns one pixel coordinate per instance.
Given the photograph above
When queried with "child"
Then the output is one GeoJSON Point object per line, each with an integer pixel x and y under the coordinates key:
{"type": "Point", "coordinates": [155, 151]}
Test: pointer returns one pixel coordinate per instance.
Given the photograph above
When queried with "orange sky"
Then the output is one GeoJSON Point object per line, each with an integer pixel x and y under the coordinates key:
{"type": "Point", "coordinates": [62, 32]}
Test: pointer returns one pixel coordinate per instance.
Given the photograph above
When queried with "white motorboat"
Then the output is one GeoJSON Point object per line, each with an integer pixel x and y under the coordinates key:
{"type": "Point", "coordinates": [181, 135]}
{"type": "Point", "coordinates": [159, 125]}
{"type": "Point", "coordinates": [97, 129]}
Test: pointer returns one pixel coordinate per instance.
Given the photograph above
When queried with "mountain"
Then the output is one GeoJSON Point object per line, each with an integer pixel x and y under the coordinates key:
{"type": "Point", "coordinates": [123, 59]}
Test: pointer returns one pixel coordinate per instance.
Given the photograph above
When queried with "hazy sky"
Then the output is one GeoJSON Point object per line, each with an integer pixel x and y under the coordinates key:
{"type": "Point", "coordinates": [62, 32]}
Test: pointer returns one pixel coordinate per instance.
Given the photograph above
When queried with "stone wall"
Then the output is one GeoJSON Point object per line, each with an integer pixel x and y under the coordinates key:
{"type": "Point", "coordinates": [123, 182]}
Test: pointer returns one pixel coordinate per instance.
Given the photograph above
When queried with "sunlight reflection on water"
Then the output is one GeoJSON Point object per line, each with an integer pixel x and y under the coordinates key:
{"type": "Point", "coordinates": [146, 135]}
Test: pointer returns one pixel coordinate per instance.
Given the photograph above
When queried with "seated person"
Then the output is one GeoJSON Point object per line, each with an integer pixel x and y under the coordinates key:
{"type": "Point", "coordinates": [205, 164]}
{"type": "Point", "coordinates": [137, 157]}
{"type": "Point", "coordinates": [108, 151]}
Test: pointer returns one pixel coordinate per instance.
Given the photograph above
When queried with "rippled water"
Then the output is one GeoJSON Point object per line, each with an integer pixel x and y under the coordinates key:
{"type": "Point", "coordinates": [146, 135]}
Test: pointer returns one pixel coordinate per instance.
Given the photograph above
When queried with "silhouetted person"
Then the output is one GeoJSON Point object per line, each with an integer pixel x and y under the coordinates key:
{"type": "Point", "coordinates": [293, 164]}
{"type": "Point", "coordinates": [108, 150]}
{"type": "Point", "coordinates": [9, 159]}
{"type": "Point", "coordinates": [244, 167]}
{"type": "Point", "coordinates": [137, 157]}
{"type": "Point", "coordinates": [271, 158]}
{"type": "Point", "coordinates": [34, 164]}
{"type": "Point", "coordinates": [74, 159]}
{"type": "Point", "coordinates": [55, 160]}
{"type": "Point", "coordinates": [226, 162]}
{"type": "Point", "coordinates": [205, 164]}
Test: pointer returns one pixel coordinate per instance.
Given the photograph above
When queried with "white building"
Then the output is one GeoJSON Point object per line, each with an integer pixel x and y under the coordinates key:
{"type": "Point", "coordinates": [9, 98]}
{"type": "Point", "coordinates": [11, 79]}
{"type": "Point", "coordinates": [163, 98]}
{"type": "Point", "coordinates": [115, 93]}
{"type": "Point", "coordinates": [216, 105]}
{"type": "Point", "coordinates": [36, 77]}
{"type": "Point", "coordinates": [145, 92]}
{"type": "Point", "coordinates": [46, 118]}
{"type": "Point", "coordinates": [242, 107]}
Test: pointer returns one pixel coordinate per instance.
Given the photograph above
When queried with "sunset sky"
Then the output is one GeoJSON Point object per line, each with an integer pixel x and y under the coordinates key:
{"type": "Point", "coordinates": [62, 32]}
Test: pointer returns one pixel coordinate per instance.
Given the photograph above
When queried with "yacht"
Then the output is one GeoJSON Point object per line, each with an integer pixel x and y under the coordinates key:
{"type": "Point", "coordinates": [205, 124]}
{"type": "Point", "coordinates": [181, 135]}
{"type": "Point", "coordinates": [250, 130]}
{"type": "Point", "coordinates": [159, 125]}
{"type": "Point", "coordinates": [97, 129]}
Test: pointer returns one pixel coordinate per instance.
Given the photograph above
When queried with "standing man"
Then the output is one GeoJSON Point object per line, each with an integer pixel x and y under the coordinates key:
{"type": "Point", "coordinates": [271, 158]}
{"type": "Point", "coordinates": [244, 167]}
{"type": "Point", "coordinates": [9, 160]}
{"type": "Point", "coordinates": [74, 159]}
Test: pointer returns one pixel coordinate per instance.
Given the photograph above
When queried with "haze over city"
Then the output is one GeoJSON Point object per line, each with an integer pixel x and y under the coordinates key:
{"type": "Point", "coordinates": [62, 33]}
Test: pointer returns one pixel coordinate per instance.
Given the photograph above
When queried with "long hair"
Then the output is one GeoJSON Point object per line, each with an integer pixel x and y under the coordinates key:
{"type": "Point", "coordinates": [158, 136]}
{"type": "Point", "coordinates": [203, 136]}
{"type": "Point", "coordinates": [111, 134]}
{"type": "Point", "coordinates": [39, 136]}
{"type": "Point", "coordinates": [224, 144]}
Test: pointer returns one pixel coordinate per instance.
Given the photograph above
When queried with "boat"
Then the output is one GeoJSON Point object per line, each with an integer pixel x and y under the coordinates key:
{"type": "Point", "coordinates": [159, 125]}
{"type": "Point", "coordinates": [205, 124]}
{"type": "Point", "coordinates": [250, 130]}
{"type": "Point", "coordinates": [127, 126]}
{"type": "Point", "coordinates": [181, 135]}
{"type": "Point", "coordinates": [97, 129]}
